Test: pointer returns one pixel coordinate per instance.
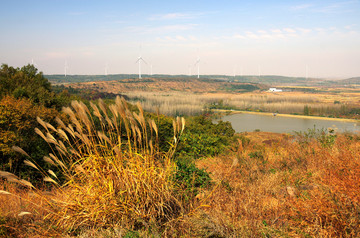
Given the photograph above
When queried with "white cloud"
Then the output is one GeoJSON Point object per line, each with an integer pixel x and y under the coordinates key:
{"type": "Point", "coordinates": [177, 27]}
{"type": "Point", "coordinates": [250, 34]}
{"type": "Point", "coordinates": [161, 29]}
{"type": "Point", "coordinates": [178, 38]}
{"type": "Point", "coordinates": [238, 36]}
{"type": "Point", "coordinates": [304, 30]}
{"type": "Point", "coordinates": [268, 36]}
{"type": "Point", "coordinates": [181, 38]}
{"type": "Point", "coordinates": [193, 38]}
{"type": "Point", "coordinates": [320, 30]}
{"type": "Point", "coordinates": [276, 31]}
{"type": "Point", "coordinates": [174, 16]}
{"type": "Point", "coordinates": [301, 6]}
{"type": "Point", "coordinates": [289, 30]}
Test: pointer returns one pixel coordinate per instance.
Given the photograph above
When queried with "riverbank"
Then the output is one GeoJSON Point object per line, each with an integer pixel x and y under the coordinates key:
{"type": "Point", "coordinates": [231, 112]}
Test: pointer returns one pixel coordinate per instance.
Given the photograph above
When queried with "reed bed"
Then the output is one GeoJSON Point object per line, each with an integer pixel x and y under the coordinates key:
{"type": "Point", "coordinates": [180, 103]}
{"type": "Point", "coordinates": [171, 103]}
{"type": "Point", "coordinates": [107, 169]}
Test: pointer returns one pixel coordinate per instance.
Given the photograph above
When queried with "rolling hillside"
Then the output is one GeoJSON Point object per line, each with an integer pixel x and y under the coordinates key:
{"type": "Point", "coordinates": [168, 84]}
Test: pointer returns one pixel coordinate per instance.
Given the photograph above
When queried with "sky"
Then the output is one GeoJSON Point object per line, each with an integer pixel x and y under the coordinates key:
{"type": "Point", "coordinates": [289, 38]}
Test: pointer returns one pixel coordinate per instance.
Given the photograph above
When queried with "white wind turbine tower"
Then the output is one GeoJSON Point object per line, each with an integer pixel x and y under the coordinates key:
{"type": "Point", "coordinates": [139, 62]}
{"type": "Point", "coordinates": [198, 65]}
{"type": "Point", "coordinates": [32, 62]}
{"type": "Point", "coordinates": [307, 72]}
{"type": "Point", "coordinates": [65, 68]}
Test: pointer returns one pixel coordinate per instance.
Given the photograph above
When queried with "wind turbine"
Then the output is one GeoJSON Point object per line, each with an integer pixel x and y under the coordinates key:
{"type": "Point", "coordinates": [139, 62]}
{"type": "Point", "coordinates": [198, 65]}
{"type": "Point", "coordinates": [307, 71]}
{"type": "Point", "coordinates": [33, 63]}
{"type": "Point", "coordinates": [65, 67]}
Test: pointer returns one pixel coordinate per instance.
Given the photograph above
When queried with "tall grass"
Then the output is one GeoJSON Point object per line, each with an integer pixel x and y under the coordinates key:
{"type": "Point", "coordinates": [107, 169]}
{"type": "Point", "coordinates": [170, 103]}
{"type": "Point", "coordinates": [184, 103]}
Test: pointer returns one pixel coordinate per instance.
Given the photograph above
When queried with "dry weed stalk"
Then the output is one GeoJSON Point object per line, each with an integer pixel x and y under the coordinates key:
{"type": "Point", "coordinates": [114, 176]}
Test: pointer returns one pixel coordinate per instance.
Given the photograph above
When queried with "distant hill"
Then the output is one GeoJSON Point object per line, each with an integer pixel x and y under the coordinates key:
{"type": "Point", "coordinates": [184, 84]}
{"type": "Point", "coordinates": [355, 80]}
{"type": "Point", "coordinates": [272, 80]}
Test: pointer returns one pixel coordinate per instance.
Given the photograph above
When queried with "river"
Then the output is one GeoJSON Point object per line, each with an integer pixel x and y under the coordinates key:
{"type": "Point", "coordinates": [281, 124]}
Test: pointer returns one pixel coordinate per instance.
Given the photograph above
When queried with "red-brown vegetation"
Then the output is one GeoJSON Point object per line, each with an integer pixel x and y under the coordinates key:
{"type": "Point", "coordinates": [285, 188]}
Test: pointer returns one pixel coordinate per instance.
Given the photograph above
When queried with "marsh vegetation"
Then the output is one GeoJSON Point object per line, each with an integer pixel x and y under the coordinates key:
{"type": "Point", "coordinates": [187, 103]}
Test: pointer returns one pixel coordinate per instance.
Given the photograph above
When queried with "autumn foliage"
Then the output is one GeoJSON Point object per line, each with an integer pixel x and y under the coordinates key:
{"type": "Point", "coordinates": [17, 124]}
{"type": "Point", "coordinates": [278, 186]}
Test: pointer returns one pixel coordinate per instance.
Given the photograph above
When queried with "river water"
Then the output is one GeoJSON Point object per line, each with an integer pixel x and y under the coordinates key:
{"type": "Point", "coordinates": [249, 122]}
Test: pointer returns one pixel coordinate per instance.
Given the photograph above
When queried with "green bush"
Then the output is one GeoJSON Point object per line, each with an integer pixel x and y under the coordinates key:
{"type": "Point", "coordinates": [326, 137]}
{"type": "Point", "coordinates": [203, 138]}
{"type": "Point", "coordinates": [190, 178]}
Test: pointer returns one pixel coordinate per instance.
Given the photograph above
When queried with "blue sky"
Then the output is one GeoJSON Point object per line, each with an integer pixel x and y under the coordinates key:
{"type": "Point", "coordinates": [230, 37]}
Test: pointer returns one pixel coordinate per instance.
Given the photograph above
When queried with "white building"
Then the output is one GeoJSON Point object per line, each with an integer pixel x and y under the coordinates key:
{"type": "Point", "coordinates": [275, 90]}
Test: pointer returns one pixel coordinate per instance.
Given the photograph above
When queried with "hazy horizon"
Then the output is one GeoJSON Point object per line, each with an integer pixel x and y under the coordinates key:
{"type": "Point", "coordinates": [318, 39]}
{"type": "Point", "coordinates": [145, 75]}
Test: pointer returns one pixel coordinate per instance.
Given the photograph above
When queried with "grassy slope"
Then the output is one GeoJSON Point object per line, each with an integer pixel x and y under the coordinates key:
{"type": "Point", "coordinates": [168, 84]}
{"type": "Point", "coordinates": [274, 186]}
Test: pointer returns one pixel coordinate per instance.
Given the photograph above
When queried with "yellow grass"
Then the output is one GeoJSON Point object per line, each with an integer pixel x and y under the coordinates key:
{"type": "Point", "coordinates": [185, 103]}
{"type": "Point", "coordinates": [115, 176]}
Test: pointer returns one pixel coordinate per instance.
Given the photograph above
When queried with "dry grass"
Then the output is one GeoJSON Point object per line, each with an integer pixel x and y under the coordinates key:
{"type": "Point", "coordinates": [185, 103]}
{"type": "Point", "coordinates": [283, 188]}
{"type": "Point", "coordinates": [114, 177]}
{"type": "Point", "coordinates": [22, 213]}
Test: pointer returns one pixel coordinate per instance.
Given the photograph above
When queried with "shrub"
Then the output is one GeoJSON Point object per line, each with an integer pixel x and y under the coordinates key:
{"type": "Point", "coordinates": [326, 137]}
{"type": "Point", "coordinates": [205, 138]}
{"type": "Point", "coordinates": [190, 178]}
